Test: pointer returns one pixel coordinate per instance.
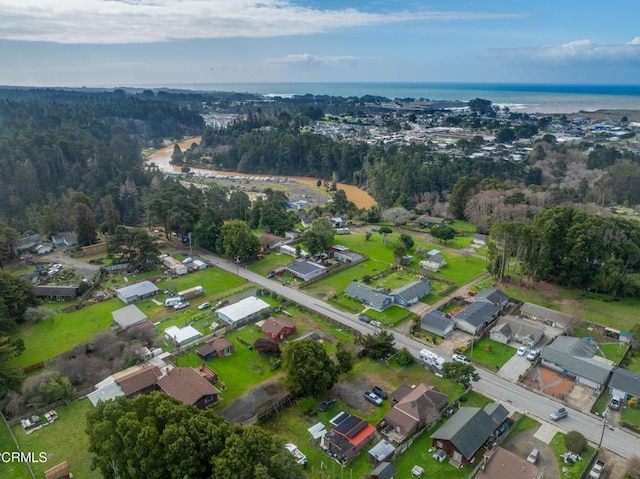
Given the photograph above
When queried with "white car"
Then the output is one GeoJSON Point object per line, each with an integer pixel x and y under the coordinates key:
{"type": "Point", "coordinates": [182, 305]}
{"type": "Point", "coordinates": [522, 350]}
{"type": "Point", "coordinates": [460, 358]}
{"type": "Point", "coordinates": [204, 305]}
{"type": "Point", "coordinates": [533, 355]}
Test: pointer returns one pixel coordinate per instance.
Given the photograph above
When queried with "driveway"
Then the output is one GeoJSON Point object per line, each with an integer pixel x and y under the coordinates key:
{"type": "Point", "coordinates": [514, 368]}
{"type": "Point", "coordinates": [521, 445]}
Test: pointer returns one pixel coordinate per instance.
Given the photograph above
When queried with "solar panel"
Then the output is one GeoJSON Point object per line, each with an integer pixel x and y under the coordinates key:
{"type": "Point", "coordinates": [339, 418]}
{"type": "Point", "coordinates": [356, 429]}
{"type": "Point", "coordinates": [347, 424]}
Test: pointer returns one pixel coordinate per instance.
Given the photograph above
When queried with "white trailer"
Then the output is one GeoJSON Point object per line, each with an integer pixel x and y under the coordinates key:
{"type": "Point", "coordinates": [432, 359]}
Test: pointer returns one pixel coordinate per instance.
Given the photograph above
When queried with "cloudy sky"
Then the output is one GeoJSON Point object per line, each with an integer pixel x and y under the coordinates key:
{"type": "Point", "coordinates": [168, 42]}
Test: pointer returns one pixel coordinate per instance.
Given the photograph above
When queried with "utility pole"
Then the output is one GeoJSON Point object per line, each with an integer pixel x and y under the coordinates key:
{"type": "Point", "coordinates": [604, 425]}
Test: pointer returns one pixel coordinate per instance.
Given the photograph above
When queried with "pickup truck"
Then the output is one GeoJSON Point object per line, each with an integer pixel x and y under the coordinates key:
{"type": "Point", "coordinates": [597, 470]}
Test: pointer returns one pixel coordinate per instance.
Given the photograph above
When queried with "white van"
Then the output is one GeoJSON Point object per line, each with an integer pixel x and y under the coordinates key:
{"type": "Point", "coordinates": [171, 302]}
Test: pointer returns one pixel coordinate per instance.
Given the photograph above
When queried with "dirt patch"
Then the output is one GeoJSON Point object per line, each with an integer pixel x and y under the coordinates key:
{"type": "Point", "coordinates": [351, 392]}
{"type": "Point", "coordinates": [521, 445]}
{"type": "Point", "coordinates": [259, 401]}
{"type": "Point", "coordinates": [548, 290]}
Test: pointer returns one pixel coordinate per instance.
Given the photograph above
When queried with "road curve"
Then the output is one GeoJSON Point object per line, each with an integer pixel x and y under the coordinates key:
{"type": "Point", "coordinates": [513, 396]}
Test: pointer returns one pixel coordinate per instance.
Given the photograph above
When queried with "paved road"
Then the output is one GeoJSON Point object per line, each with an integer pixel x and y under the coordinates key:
{"type": "Point", "coordinates": [514, 396]}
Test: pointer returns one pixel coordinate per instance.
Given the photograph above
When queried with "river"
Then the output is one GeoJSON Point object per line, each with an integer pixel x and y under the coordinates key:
{"type": "Point", "coordinates": [162, 158]}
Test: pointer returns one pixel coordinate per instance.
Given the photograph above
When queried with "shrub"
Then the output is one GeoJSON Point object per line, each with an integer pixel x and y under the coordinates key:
{"type": "Point", "coordinates": [633, 402]}
{"type": "Point", "coordinates": [575, 442]}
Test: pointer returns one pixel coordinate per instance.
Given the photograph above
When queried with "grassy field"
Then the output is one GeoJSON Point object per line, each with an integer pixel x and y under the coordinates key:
{"type": "Point", "coordinates": [64, 440]}
{"type": "Point", "coordinates": [47, 339]}
{"type": "Point", "coordinates": [336, 283]}
{"type": "Point", "coordinates": [394, 280]}
{"type": "Point", "coordinates": [490, 354]}
{"type": "Point", "coordinates": [269, 263]}
{"type": "Point", "coordinates": [392, 316]}
{"type": "Point", "coordinates": [570, 471]}
{"type": "Point", "coordinates": [10, 470]}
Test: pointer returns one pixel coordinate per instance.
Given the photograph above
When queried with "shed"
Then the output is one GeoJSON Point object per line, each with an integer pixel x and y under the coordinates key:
{"type": "Point", "coordinates": [243, 311]}
{"type": "Point", "coordinates": [128, 316]}
{"type": "Point", "coordinates": [137, 292]}
{"type": "Point", "coordinates": [381, 452]}
{"type": "Point", "coordinates": [182, 336]}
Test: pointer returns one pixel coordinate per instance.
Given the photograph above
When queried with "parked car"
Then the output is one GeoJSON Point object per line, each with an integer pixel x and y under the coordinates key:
{"type": "Point", "coordinates": [460, 358]}
{"type": "Point", "coordinates": [373, 398]}
{"type": "Point", "coordinates": [204, 305]}
{"type": "Point", "coordinates": [378, 391]}
{"type": "Point", "coordinates": [522, 350]}
{"type": "Point", "coordinates": [364, 318]}
{"type": "Point", "coordinates": [326, 404]}
{"type": "Point", "coordinates": [182, 305]}
{"type": "Point", "coordinates": [533, 456]}
{"type": "Point", "coordinates": [533, 354]}
{"type": "Point", "coordinates": [222, 303]}
{"type": "Point", "coordinates": [271, 275]}
{"type": "Point", "coordinates": [559, 413]}
{"type": "Point", "coordinates": [615, 404]}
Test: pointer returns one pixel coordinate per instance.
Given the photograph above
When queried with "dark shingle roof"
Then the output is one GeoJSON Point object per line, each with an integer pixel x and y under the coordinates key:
{"type": "Point", "coordinates": [435, 321]}
{"type": "Point", "coordinates": [493, 295]}
{"type": "Point", "coordinates": [576, 355]}
{"type": "Point", "coordinates": [366, 293]}
{"type": "Point", "coordinates": [418, 289]}
{"type": "Point", "coordinates": [477, 313]}
{"type": "Point", "coordinates": [626, 381]}
{"type": "Point", "coordinates": [62, 291]}
{"type": "Point", "coordinates": [304, 267]}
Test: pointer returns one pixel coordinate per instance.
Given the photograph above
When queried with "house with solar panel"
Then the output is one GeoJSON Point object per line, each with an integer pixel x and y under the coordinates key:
{"type": "Point", "coordinates": [349, 436]}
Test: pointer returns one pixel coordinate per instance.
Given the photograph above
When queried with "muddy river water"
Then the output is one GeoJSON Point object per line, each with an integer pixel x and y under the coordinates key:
{"type": "Point", "coordinates": [162, 157]}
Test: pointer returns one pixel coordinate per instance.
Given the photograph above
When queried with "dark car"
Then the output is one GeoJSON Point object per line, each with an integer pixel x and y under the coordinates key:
{"type": "Point", "coordinates": [222, 303]}
{"type": "Point", "coordinates": [378, 391]}
{"type": "Point", "coordinates": [326, 405]}
{"type": "Point", "coordinates": [364, 318]}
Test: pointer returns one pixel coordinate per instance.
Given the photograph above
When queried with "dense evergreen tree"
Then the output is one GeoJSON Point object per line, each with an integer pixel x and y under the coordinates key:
{"type": "Point", "coordinates": [15, 297]}
{"type": "Point", "coordinates": [319, 237]}
{"type": "Point", "coordinates": [310, 370]}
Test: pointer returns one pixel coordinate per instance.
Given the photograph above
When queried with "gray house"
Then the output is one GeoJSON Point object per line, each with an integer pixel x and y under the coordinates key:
{"type": "Point", "coordinates": [377, 299]}
{"type": "Point", "coordinates": [509, 329]}
{"type": "Point", "coordinates": [624, 384]}
{"type": "Point", "coordinates": [412, 292]}
{"type": "Point", "coordinates": [467, 430]}
{"type": "Point", "coordinates": [493, 296]}
{"type": "Point", "coordinates": [306, 270]}
{"type": "Point", "coordinates": [436, 322]}
{"type": "Point", "coordinates": [137, 292]}
{"type": "Point", "coordinates": [476, 317]}
{"type": "Point", "coordinates": [545, 315]}
{"type": "Point", "coordinates": [577, 358]}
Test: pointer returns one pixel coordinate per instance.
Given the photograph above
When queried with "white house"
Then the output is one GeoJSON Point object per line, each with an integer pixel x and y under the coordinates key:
{"type": "Point", "coordinates": [137, 292]}
{"type": "Point", "coordinates": [182, 336]}
{"type": "Point", "coordinates": [243, 311]}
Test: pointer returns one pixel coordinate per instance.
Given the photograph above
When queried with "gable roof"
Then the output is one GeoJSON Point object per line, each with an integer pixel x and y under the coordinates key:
{"type": "Point", "coordinates": [138, 289]}
{"type": "Point", "coordinates": [366, 293]}
{"type": "Point", "coordinates": [385, 470]}
{"type": "Point", "coordinates": [416, 405]}
{"type": "Point", "coordinates": [626, 381]}
{"type": "Point", "coordinates": [304, 267]}
{"type": "Point", "coordinates": [577, 356]}
{"type": "Point", "coordinates": [419, 288]}
{"type": "Point", "coordinates": [493, 295]}
{"type": "Point", "coordinates": [381, 451]}
{"type": "Point", "coordinates": [186, 385]}
{"type": "Point", "coordinates": [273, 327]}
{"type": "Point", "coordinates": [61, 291]}
{"type": "Point", "coordinates": [139, 380]}
{"type": "Point", "coordinates": [182, 335]}
{"type": "Point", "coordinates": [470, 427]}
{"type": "Point", "coordinates": [243, 309]}
{"type": "Point", "coordinates": [436, 320]}
{"type": "Point", "coordinates": [477, 313]}
{"type": "Point", "coordinates": [530, 309]}
{"type": "Point", "coordinates": [515, 326]}
{"type": "Point", "coordinates": [128, 316]}
{"type": "Point", "coordinates": [218, 343]}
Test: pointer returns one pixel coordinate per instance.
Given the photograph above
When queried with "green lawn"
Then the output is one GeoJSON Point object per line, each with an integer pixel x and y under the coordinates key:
{"type": "Point", "coordinates": [461, 225]}
{"type": "Point", "coordinates": [212, 280]}
{"type": "Point", "coordinates": [10, 470]}
{"type": "Point", "coordinates": [614, 351]}
{"type": "Point", "coordinates": [461, 269]}
{"type": "Point", "coordinates": [269, 263]}
{"type": "Point", "coordinates": [64, 440]}
{"type": "Point", "coordinates": [392, 316]}
{"type": "Point", "coordinates": [336, 283]}
{"type": "Point", "coordinates": [575, 470]}
{"type": "Point", "coordinates": [48, 339]}
{"type": "Point", "coordinates": [490, 353]}
{"type": "Point", "coordinates": [394, 280]}
{"type": "Point", "coordinates": [632, 362]}
{"type": "Point", "coordinates": [631, 415]}
{"type": "Point", "coordinates": [347, 303]}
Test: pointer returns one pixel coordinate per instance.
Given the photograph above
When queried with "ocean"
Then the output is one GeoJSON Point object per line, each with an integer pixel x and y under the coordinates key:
{"type": "Point", "coordinates": [530, 98]}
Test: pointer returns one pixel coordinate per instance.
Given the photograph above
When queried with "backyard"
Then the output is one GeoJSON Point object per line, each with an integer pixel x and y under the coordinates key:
{"type": "Point", "coordinates": [491, 354]}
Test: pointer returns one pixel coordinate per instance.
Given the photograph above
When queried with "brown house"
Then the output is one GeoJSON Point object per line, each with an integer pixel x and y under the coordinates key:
{"type": "Point", "coordinates": [349, 436]}
{"type": "Point", "coordinates": [414, 409]}
{"type": "Point", "coordinates": [462, 436]}
{"type": "Point", "coordinates": [59, 471]}
{"type": "Point", "coordinates": [216, 347]}
{"type": "Point", "coordinates": [189, 387]}
{"type": "Point", "coordinates": [278, 329]}
{"type": "Point", "coordinates": [142, 381]}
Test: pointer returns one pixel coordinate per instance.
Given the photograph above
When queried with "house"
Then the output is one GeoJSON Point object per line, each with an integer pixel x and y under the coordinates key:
{"type": "Point", "coordinates": [305, 220]}
{"type": "Point", "coordinates": [137, 292]}
{"type": "Point", "coordinates": [577, 358]}
{"type": "Point", "coordinates": [128, 316]}
{"type": "Point", "coordinates": [415, 408]}
{"type": "Point", "coordinates": [436, 322]}
{"type": "Point", "coordinates": [182, 336]}
{"type": "Point", "coordinates": [217, 347]}
{"type": "Point", "coordinates": [377, 299]}
{"type": "Point", "coordinates": [349, 436]}
{"type": "Point", "coordinates": [467, 430]}
{"type": "Point", "coordinates": [385, 470]}
{"type": "Point", "coordinates": [243, 311]}
{"type": "Point", "coordinates": [59, 471]}
{"type": "Point", "coordinates": [548, 316]}
{"type": "Point", "coordinates": [426, 221]}
{"type": "Point", "coordinates": [278, 329]}
{"type": "Point", "coordinates": [345, 255]}
{"type": "Point", "coordinates": [56, 293]}
{"type": "Point", "coordinates": [412, 292]}
{"type": "Point", "coordinates": [175, 267]}
{"type": "Point", "coordinates": [479, 240]}
{"type": "Point", "coordinates": [141, 380]}
{"type": "Point", "coordinates": [270, 242]}
{"type": "Point", "coordinates": [499, 463]}
{"type": "Point", "coordinates": [492, 296]}
{"type": "Point", "coordinates": [106, 391]}
{"type": "Point", "coordinates": [188, 387]}
{"type": "Point", "coordinates": [43, 248]}
{"type": "Point", "coordinates": [65, 239]}
{"type": "Point", "coordinates": [624, 384]}
{"type": "Point", "coordinates": [511, 329]}
{"type": "Point", "coordinates": [434, 262]}
{"type": "Point", "coordinates": [25, 244]}
{"type": "Point", "coordinates": [306, 270]}
{"type": "Point", "coordinates": [293, 251]}
{"type": "Point", "coordinates": [475, 318]}
{"type": "Point", "coordinates": [381, 452]}
{"type": "Point", "coordinates": [338, 222]}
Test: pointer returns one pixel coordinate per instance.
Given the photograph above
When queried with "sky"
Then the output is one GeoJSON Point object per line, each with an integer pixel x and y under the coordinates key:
{"type": "Point", "coordinates": [171, 42]}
